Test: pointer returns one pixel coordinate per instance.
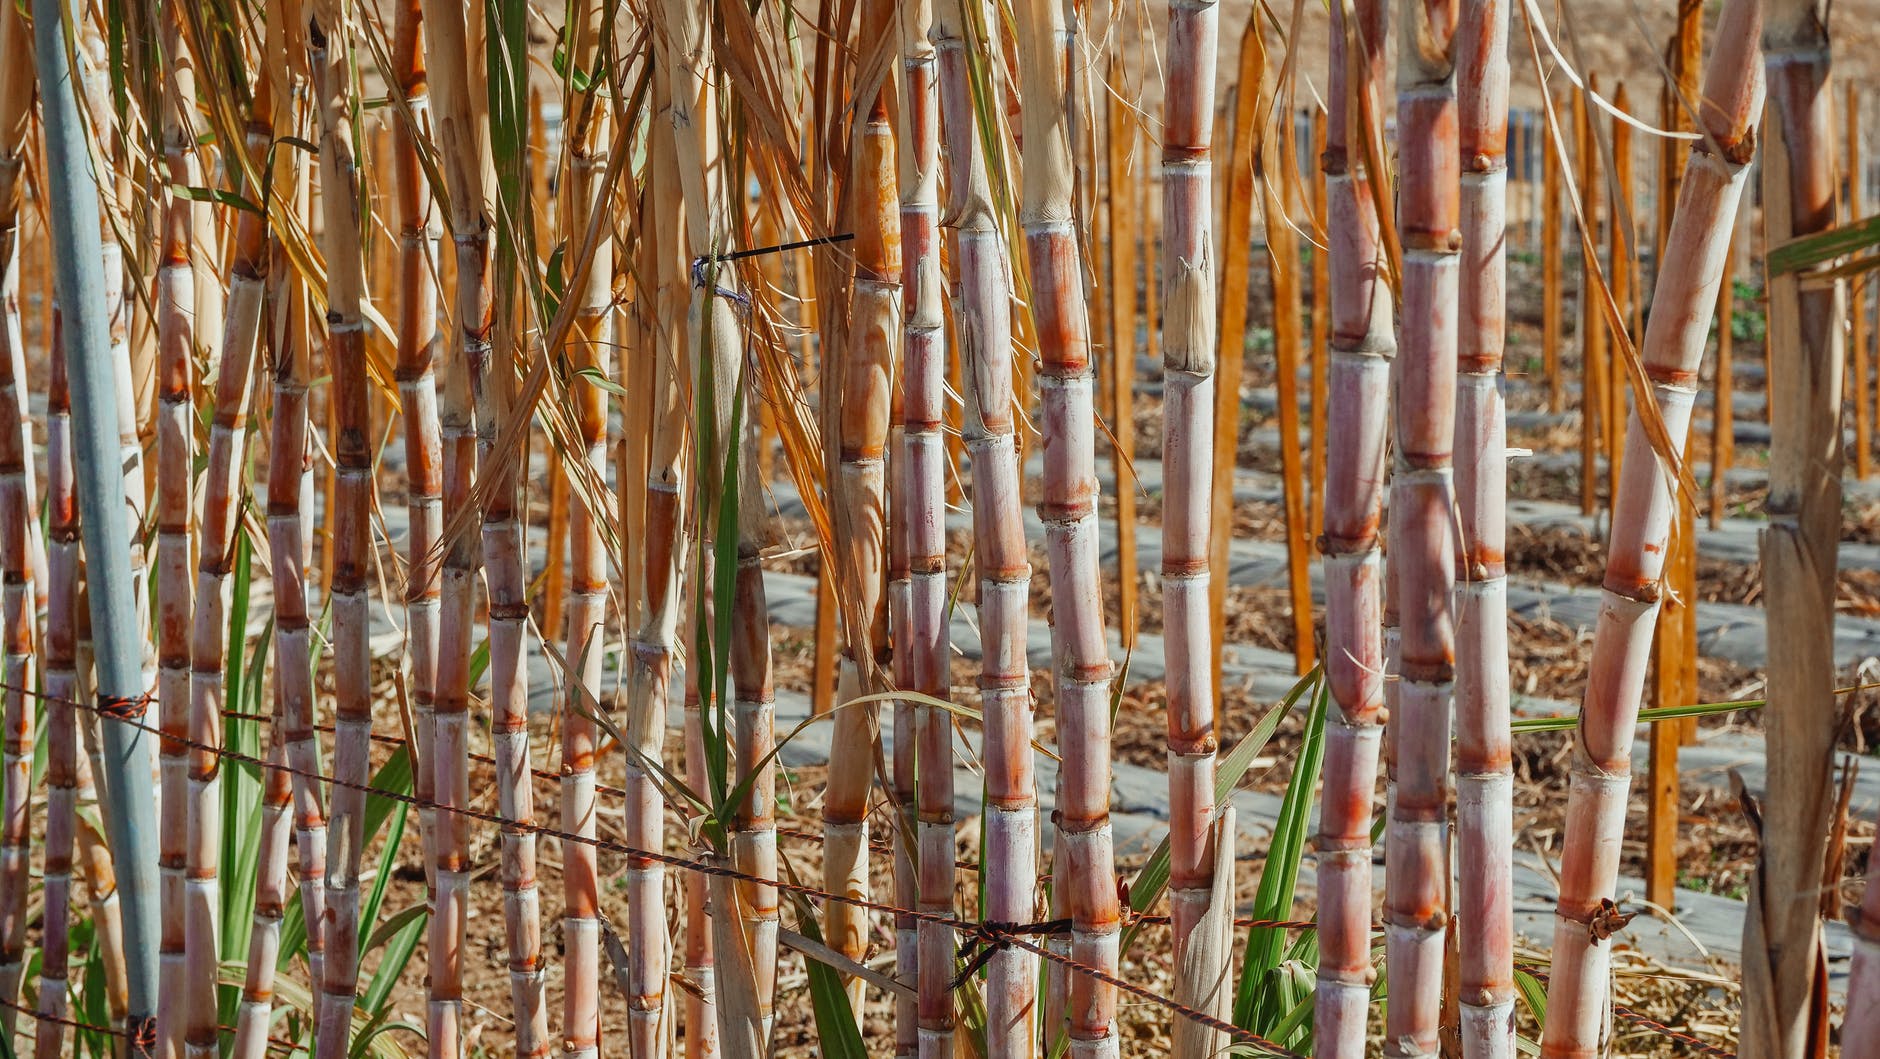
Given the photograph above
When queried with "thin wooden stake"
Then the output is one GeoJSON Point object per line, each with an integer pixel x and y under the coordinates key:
{"type": "Point", "coordinates": [1246, 142]}
{"type": "Point", "coordinates": [1723, 399]}
{"type": "Point", "coordinates": [1550, 276]}
{"type": "Point", "coordinates": [1282, 245]}
{"type": "Point", "coordinates": [1592, 327]}
{"type": "Point", "coordinates": [1123, 283]}
{"type": "Point", "coordinates": [1619, 241]}
{"type": "Point", "coordinates": [1859, 385]}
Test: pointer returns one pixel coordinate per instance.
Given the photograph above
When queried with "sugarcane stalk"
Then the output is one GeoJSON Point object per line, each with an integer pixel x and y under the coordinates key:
{"type": "Point", "coordinates": [586, 136]}
{"type": "Point", "coordinates": [290, 508]}
{"type": "Point", "coordinates": [904, 771]}
{"type": "Point", "coordinates": [651, 649]}
{"type": "Point", "coordinates": [271, 895]}
{"type": "Point", "coordinates": [330, 47]}
{"type": "Point", "coordinates": [750, 976]}
{"type": "Point", "coordinates": [1484, 762]}
{"type": "Point", "coordinates": [454, 44]}
{"type": "Point", "coordinates": [1188, 362]}
{"type": "Point", "coordinates": [1416, 889]}
{"type": "Point", "coordinates": [1361, 346]}
{"type": "Point", "coordinates": [925, 460]}
{"type": "Point", "coordinates": [176, 511]}
{"type": "Point", "coordinates": [61, 672]}
{"type": "Point", "coordinates": [713, 347]}
{"type": "Point", "coordinates": [1783, 989]}
{"type": "Point", "coordinates": [1085, 865]}
{"type": "Point", "coordinates": [418, 339]}
{"type": "Point", "coordinates": [1672, 352]}
{"type": "Point", "coordinates": [73, 217]}
{"type": "Point", "coordinates": [222, 493]}
{"type": "Point", "coordinates": [17, 527]}
{"type": "Point", "coordinates": [17, 512]}
{"type": "Point", "coordinates": [999, 552]}
{"type": "Point", "coordinates": [863, 381]}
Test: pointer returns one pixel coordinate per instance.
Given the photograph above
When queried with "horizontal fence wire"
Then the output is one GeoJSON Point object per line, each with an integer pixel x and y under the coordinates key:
{"type": "Point", "coordinates": [140, 1045]}
{"type": "Point", "coordinates": [1644, 1021]}
{"type": "Point", "coordinates": [1000, 935]}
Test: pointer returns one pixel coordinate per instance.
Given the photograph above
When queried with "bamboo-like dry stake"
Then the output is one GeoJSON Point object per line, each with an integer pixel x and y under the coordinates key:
{"type": "Point", "coordinates": [1277, 177]}
{"type": "Point", "coordinates": [1085, 872]}
{"type": "Point", "coordinates": [1723, 390]}
{"type": "Point", "coordinates": [1551, 318]}
{"type": "Point", "coordinates": [1594, 361]}
{"type": "Point", "coordinates": [999, 552]}
{"type": "Point", "coordinates": [1860, 368]}
{"type": "Point", "coordinates": [1622, 257]}
{"type": "Point", "coordinates": [1484, 764]}
{"type": "Point", "coordinates": [926, 461]}
{"type": "Point", "coordinates": [1416, 889]}
{"type": "Point", "coordinates": [1784, 992]}
{"type": "Point", "coordinates": [1236, 196]}
{"type": "Point", "coordinates": [1578, 996]}
{"type": "Point", "coordinates": [1121, 138]}
{"type": "Point", "coordinates": [1359, 354]}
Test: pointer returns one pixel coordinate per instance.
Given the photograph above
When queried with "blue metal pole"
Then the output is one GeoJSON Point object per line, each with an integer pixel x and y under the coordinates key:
{"type": "Point", "coordinates": [78, 270]}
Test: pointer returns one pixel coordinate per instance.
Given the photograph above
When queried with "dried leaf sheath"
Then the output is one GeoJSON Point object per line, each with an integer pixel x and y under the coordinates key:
{"type": "Point", "coordinates": [1084, 870]}
{"type": "Point", "coordinates": [983, 303]}
{"type": "Point", "coordinates": [1484, 767]}
{"type": "Point", "coordinates": [924, 465]}
{"type": "Point", "coordinates": [1671, 355]}
{"type": "Point", "coordinates": [1362, 343]}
